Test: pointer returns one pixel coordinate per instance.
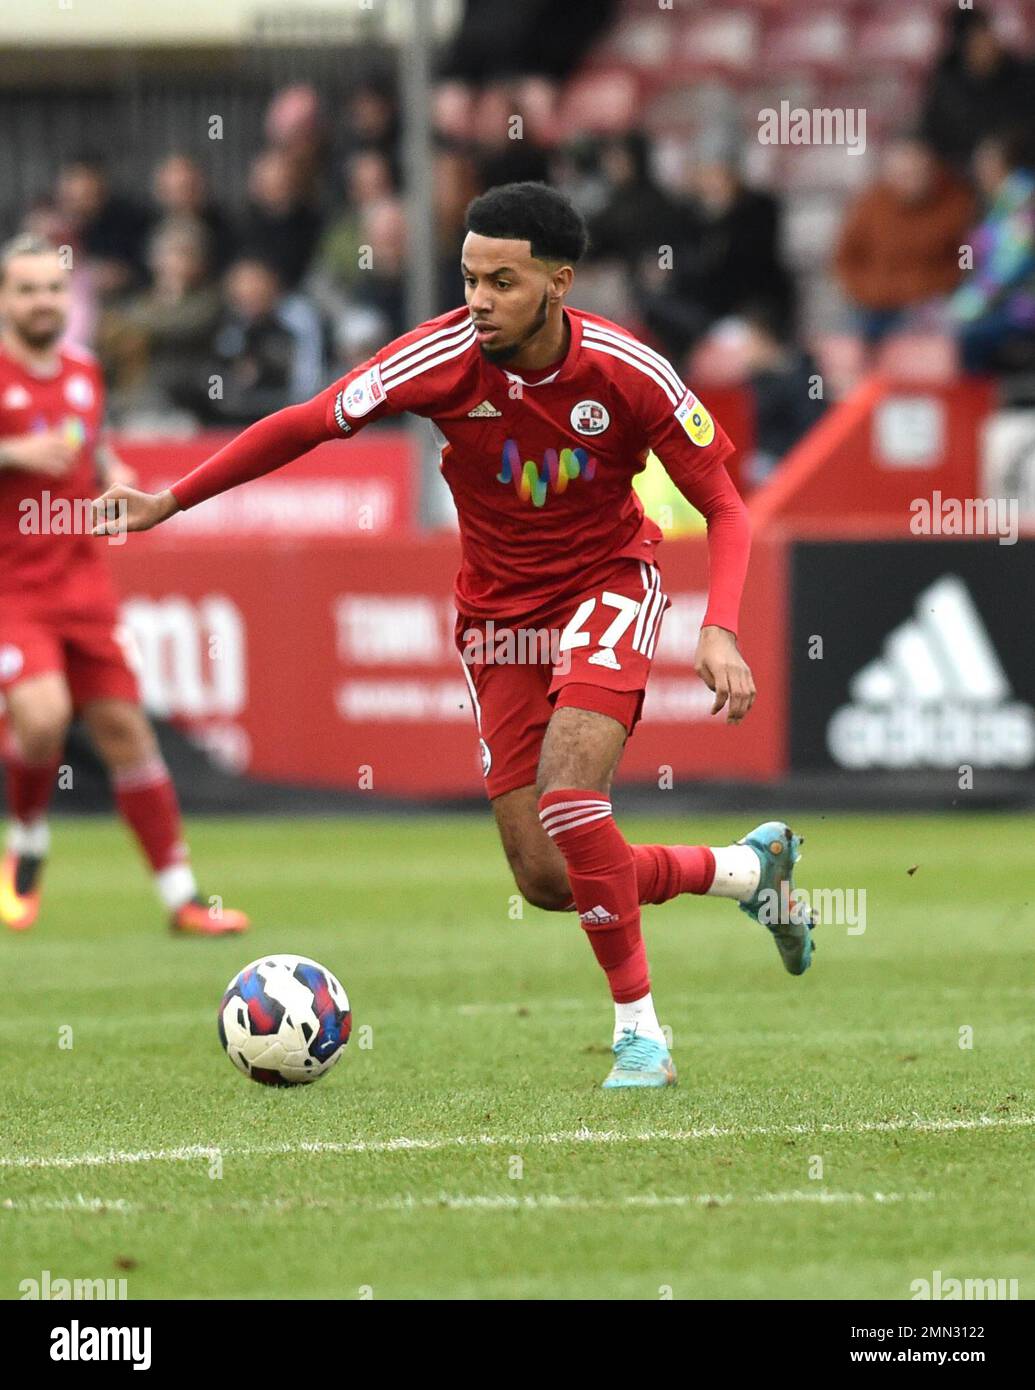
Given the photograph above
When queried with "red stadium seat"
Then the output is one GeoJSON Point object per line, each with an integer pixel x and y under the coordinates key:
{"type": "Point", "coordinates": [919, 357]}
{"type": "Point", "coordinates": [686, 107]}
{"type": "Point", "coordinates": [908, 37]}
{"type": "Point", "coordinates": [599, 103]}
{"type": "Point", "coordinates": [642, 42]}
{"type": "Point", "coordinates": [817, 42]}
{"type": "Point", "coordinates": [841, 359]}
{"type": "Point", "coordinates": [720, 360]}
{"type": "Point", "coordinates": [722, 41]}
{"type": "Point", "coordinates": [890, 98]}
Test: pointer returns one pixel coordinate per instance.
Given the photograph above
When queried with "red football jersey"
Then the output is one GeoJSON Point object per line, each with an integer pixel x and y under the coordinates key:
{"type": "Point", "coordinates": [47, 557]}
{"type": "Point", "coordinates": [541, 472]}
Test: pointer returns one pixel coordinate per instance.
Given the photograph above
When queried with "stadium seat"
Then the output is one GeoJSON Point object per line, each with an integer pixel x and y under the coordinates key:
{"type": "Point", "coordinates": [919, 357]}
{"type": "Point", "coordinates": [814, 42]}
{"type": "Point", "coordinates": [720, 359]}
{"type": "Point", "coordinates": [841, 359]}
{"type": "Point", "coordinates": [910, 37]}
{"type": "Point", "coordinates": [680, 106]}
{"type": "Point", "coordinates": [643, 41]}
{"type": "Point", "coordinates": [890, 98]}
{"type": "Point", "coordinates": [599, 103]}
{"type": "Point", "coordinates": [722, 41]}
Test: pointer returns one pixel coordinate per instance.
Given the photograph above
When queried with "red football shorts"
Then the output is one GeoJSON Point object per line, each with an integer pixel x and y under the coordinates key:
{"type": "Point", "coordinates": [593, 652]}
{"type": "Point", "coordinates": [91, 649]}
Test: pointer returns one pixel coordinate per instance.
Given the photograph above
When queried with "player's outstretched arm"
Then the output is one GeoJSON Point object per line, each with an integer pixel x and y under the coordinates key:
{"type": "Point", "coordinates": [705, 483]}
{"type": "Point", "coordinates": [124, 508]}
{"type": "Point", "coordinates": [270, 444]}
{"type": "Point", "coordinates": [718, 660]}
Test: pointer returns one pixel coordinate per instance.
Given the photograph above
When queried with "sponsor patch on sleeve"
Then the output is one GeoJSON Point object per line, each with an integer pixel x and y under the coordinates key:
{"type": "Point", "coordinates": [339, 415]}
{"type": "Point", "coordinates": [364, 393]}
{"type": "Point", "coordinates": [698, 424]}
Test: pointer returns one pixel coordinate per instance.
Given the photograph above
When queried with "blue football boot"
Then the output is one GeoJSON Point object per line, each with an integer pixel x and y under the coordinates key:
{"type": "Point", "coordinates": [640, 1062]}
{"type": "Point", "coordinates": [774, 904]}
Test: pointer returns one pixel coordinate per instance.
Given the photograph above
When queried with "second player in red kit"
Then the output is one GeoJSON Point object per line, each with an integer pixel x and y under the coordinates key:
{"type": "Point", "coordinates": [63, 650]}
{"type": "Point", "coordinates": [544, 414]}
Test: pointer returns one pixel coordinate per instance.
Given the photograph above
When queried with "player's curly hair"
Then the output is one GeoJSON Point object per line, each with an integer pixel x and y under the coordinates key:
{"type": "Point", "coordinates": [532, 212]}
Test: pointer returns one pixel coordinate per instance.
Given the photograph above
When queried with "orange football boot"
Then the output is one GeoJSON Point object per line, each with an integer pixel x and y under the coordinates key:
{"type": "Point", "coordinates": [197, 918]}
{"type": "Point", "coordinates": [19, 891]}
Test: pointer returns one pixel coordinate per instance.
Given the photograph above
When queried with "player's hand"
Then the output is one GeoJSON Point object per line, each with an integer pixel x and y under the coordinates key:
{"type": "Point", "coordinates": [723, 669]}
{"type": "Point", "coordinates": [123, 508]}
{"type": "Point", "coordinates": [48, 452]}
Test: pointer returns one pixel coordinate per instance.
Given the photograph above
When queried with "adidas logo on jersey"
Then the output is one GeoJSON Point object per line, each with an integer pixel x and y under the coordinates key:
{"type": "Point", "coordinates": [604, 657]}
{"type": "Point", "coordinates": [937, 696]}
{"type": "Point", "coordinates": [598, 917]}
{"type": "Point", "coordinates": [484, 411]}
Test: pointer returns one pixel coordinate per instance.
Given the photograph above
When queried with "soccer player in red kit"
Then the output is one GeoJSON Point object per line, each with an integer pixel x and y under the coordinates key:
{"type": "Point", "coordinates": [61, 644]}
{"type": "Point", "coordinates": [544, 415]}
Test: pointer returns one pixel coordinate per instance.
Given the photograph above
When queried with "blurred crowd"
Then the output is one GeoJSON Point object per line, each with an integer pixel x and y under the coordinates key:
{"type": "Point", "coordinates": [946, 234]}
{"type": "Point", "coordinates": [210, 315]}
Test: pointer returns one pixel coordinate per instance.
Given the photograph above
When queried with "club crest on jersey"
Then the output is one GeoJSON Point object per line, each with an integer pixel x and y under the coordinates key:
{"type": "Point", "coordinates": [533, 483]}
{"type": "Point", "coordinates": [79, 391]}
{"type": "Point", "coordinates": [360, 396]}
{"type": "Point", "coordinates": [589, 417]}
{"type": "Point", "coordinates": [698, 424]}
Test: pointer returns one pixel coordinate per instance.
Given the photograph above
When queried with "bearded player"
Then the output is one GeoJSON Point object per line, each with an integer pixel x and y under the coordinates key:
{"type": "Point", "coordinates": [544, 415]}
{"type": "Point", "coordinates": [61, 645]}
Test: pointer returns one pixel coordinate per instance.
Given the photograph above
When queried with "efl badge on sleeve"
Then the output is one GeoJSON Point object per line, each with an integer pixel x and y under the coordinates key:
{"type": "Point", "coordinates": [698, 424]}
{"type": "Point", "coordinates": [361, 396]}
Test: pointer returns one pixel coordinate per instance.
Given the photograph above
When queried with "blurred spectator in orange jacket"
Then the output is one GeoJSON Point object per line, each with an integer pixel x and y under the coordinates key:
{"type": "Point", "coordinates": [899, 247]}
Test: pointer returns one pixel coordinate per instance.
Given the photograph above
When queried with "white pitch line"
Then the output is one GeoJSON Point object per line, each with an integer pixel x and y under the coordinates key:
{"type": "Point", "coordinates": [556, 1202]}
{"type": "Point", "coordinates": [585, 1135]}
{"type": "Point", "coordinates": [480, 1202]}
{"type": "Point", "coordinates": [96, 1205]}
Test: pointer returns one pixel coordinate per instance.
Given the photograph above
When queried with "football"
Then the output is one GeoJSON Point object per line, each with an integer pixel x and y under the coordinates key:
{"type": "Point", "coordinates": [284, 1020]}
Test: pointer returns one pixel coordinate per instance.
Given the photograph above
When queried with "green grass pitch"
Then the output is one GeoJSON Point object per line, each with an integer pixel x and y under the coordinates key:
{"type": "Point", "coordinates": [829, 1137]}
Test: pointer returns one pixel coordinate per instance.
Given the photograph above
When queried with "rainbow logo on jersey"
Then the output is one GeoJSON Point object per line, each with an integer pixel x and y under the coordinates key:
{"type": "Point", "coordinates": [71, 428]}
{"type": "Point", "coordinates": [533, 482]}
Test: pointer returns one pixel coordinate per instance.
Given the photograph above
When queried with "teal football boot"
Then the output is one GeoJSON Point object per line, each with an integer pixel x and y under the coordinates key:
{"type": "Point", "coordinates": [640, 1062]}
{"type": "Point", "coordinates": [774, 905]}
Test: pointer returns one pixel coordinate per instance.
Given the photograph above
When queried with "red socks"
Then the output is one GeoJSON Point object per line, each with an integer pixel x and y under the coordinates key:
{"type": "Point", "coordinates": [603, 876]}
{"type": "Point", "coordinates": [147, 802]}
{"type": "Point", "coordinates": [665, 871]}
{"type": "Point", "coordinates": [29, 786]}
